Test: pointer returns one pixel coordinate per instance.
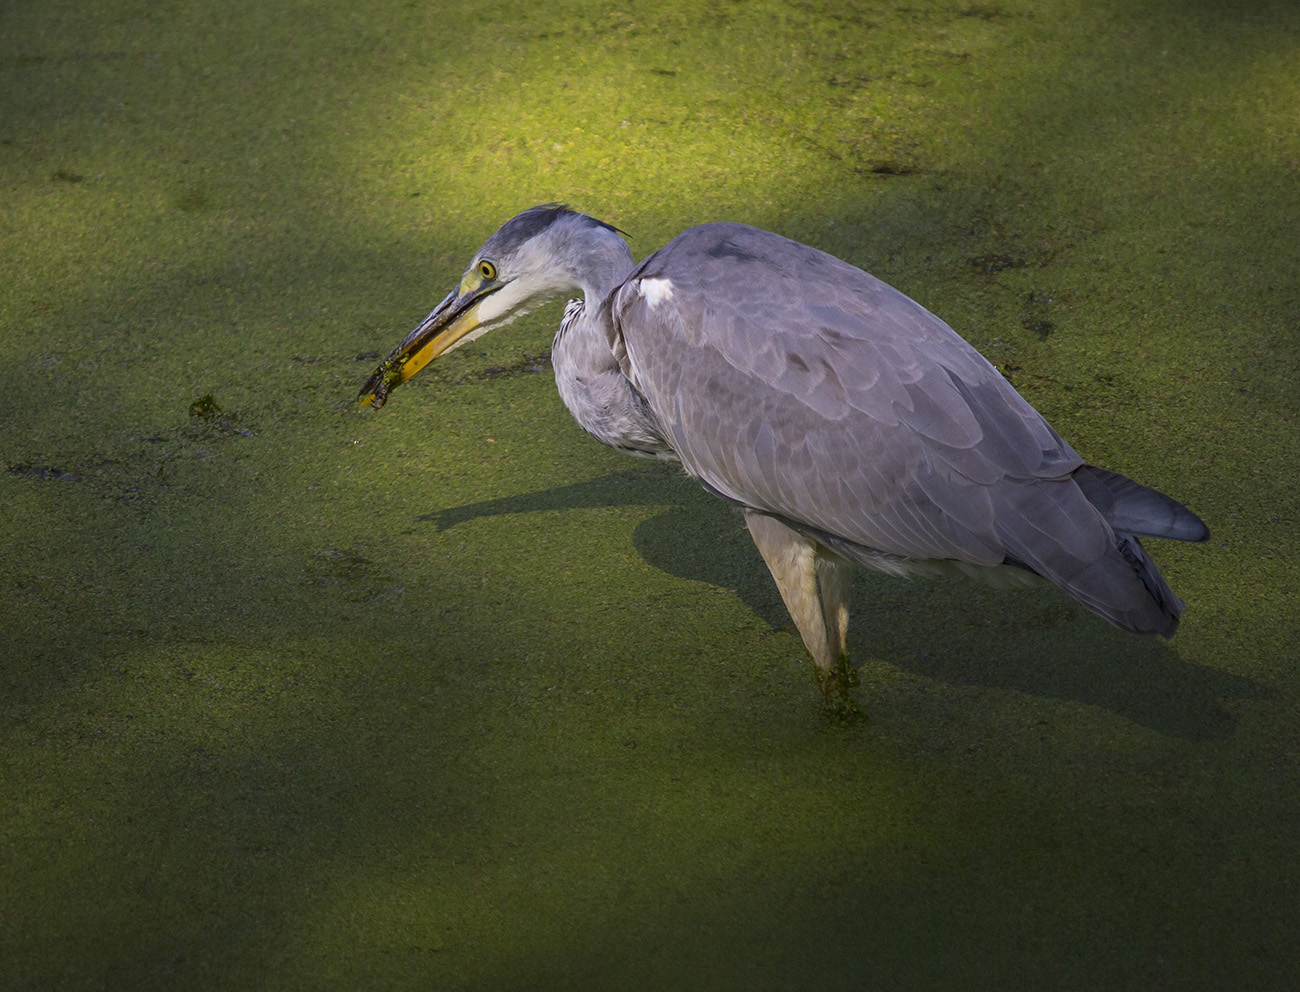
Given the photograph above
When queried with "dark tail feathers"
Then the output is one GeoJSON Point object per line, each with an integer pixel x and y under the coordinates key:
{"type": "Point", "coordinates": [1132, 508]}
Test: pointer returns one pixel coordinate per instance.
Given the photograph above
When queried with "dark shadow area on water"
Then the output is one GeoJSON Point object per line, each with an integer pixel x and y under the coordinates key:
{"type": "Point", "coordinates": [994, 640]}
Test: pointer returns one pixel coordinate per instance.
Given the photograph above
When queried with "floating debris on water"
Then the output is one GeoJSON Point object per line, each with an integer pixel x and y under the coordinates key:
{"type": "Point", "coordinates": [205, 407]}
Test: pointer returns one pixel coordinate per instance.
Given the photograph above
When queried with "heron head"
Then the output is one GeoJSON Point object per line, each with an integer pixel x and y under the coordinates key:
{"type": "Point", "coordinates": [536, 256]}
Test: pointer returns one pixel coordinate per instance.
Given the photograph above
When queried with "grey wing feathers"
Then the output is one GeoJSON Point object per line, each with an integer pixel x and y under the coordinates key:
{"type": "Point", "coordinates": [860, 414]}
{"type": "Point", "coordinates": [794, 383]}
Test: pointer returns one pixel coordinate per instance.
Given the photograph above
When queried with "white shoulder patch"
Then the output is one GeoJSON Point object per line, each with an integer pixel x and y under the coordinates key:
{"type": "Point", "coordinates": [656, 291]}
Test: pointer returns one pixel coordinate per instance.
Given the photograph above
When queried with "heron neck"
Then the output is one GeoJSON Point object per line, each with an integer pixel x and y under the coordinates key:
{"type": "Point", "coordinates": [603, 267]}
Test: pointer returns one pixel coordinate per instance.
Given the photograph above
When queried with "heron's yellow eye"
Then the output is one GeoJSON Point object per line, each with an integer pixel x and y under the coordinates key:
{"type": "Point", "coordinates": [487, 270]}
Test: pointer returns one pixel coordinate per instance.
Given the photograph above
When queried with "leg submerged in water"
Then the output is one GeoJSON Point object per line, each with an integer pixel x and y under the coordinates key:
{"type": "Point", "coordinates": [814, 584]}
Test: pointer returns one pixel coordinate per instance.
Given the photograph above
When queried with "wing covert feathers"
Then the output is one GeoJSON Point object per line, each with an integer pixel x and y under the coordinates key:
{"type": "Point", "coordinates": [791, 382]}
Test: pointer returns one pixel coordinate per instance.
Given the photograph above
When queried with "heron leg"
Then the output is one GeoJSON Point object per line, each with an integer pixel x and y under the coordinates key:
{"type": "Point", "coordinates": [814, 583]}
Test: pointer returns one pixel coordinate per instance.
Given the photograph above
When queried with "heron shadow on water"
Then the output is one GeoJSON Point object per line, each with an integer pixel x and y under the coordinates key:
{"type": "Point", "coordinates": [995, 640]}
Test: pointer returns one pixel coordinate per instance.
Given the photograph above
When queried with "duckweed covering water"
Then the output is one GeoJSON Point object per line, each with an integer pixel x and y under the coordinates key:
{"type": "Point", "coordinates": [448, 696]}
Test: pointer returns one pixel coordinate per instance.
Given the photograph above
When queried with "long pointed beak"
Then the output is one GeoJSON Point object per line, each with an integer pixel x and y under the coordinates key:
{"type": "Point", "coordinates": [450, 321]}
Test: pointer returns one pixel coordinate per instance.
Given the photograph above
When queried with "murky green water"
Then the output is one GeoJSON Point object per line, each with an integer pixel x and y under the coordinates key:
{"type": "Point", "coordinates": [450, 697]}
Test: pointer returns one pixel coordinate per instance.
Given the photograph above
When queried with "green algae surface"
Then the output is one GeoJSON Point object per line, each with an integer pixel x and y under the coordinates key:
{"type": "Point", "coordinates": [447, 696]}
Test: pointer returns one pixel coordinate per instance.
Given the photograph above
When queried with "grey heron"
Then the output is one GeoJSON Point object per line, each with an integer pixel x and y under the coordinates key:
{"type": "Point", "coordinates": [850, 424]}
